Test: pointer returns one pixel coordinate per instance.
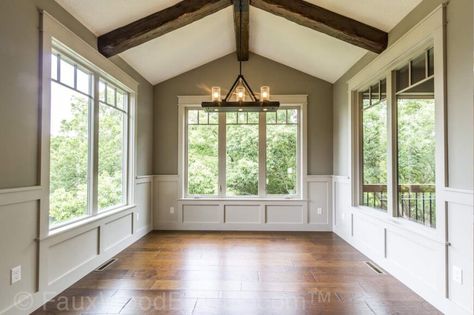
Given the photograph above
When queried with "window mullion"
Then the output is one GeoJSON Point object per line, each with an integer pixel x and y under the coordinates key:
{"type": "Point", "coordinates": [222, 155]}
{"type": "Point", "coordinates": [94, 148]}
{"type": "Point", "coordinates": [392, 176]}
{"type": "Point", "coordinates": [262, 160]}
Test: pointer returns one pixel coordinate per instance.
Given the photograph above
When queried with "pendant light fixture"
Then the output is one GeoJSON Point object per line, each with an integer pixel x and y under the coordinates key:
{"type": "Point", "coordinates": [240, 97]}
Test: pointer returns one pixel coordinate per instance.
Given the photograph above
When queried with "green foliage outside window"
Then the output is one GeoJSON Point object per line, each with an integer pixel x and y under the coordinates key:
{"type": "Point", "coordinates": [69, 156]}
{"type": "Point", "coordinates": [375, 144]}
{"type": "Point", "coordinates": [242, 155]}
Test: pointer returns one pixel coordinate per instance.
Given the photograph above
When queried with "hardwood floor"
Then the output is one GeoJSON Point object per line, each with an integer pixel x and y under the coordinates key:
{"type": "Point", "coordinates": [238, 273]}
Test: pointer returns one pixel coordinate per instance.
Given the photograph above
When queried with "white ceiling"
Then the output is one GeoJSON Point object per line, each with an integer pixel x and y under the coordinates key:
{"type": "Point", "coordinates": [185, 48]}
{"type": "Point", "coordinates": [213, 36]}
{"type": "Point", "coordinates": [299, 47]}
{"type": "Point", "coordinates": [382, 14]}
{"type": "Point", "coordinates": [102, 16]}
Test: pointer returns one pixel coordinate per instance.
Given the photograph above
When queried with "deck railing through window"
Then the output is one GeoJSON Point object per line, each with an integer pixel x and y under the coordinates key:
{"type": "Point", "coordinates": [415, 202]}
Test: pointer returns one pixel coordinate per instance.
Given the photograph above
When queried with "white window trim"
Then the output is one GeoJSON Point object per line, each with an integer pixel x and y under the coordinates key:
{"type": "Point", "coordinates": [429, 32]}
{"type": "Point", "coordinates": [300, 101]}
{"type": "Point", "coordinates": [52, 30]}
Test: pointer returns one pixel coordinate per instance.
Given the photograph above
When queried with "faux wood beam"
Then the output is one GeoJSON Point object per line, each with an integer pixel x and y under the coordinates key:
{"type": "Point", "coordinates": [241, 27]}
{"type": "Point", "coordinates": [328, 22]}
{"type": "Point", "coordinates": [157, 24]}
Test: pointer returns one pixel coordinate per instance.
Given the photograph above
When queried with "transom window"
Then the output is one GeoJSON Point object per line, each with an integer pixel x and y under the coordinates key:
{"type": "Point", "coordinates": [242, 154]}
{"type": "Point", "coordinates": [88, 141]}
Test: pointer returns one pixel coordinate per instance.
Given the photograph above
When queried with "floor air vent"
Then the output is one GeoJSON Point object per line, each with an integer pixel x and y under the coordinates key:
{"type": "Point", "coordinates": [374, 267]}
{"type": "Point", "coordinates": [106, 265]}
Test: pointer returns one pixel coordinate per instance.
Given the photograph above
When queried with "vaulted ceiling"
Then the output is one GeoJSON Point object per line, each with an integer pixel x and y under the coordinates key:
{"type": "Point", "coordinates": [213, 36]}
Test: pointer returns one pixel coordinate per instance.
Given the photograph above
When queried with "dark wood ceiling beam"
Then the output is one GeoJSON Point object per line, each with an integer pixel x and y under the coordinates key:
{"type": "Point", "coordinates": [241, 27]}
{"type": "Point", "coordinates": [328, 22]}
{"type": "Point", "coordinates": [157, 24]}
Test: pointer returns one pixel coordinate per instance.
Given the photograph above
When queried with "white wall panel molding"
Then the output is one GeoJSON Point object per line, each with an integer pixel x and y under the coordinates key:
{"type": "Point", "coordinates": [461, 196]}
{"type": "Point", "coordinates": [65, 256]}
{"type": "Point", "coordinates": [19, 195]}
{"type": "Point", "coordinates": [143, 179]}
{"type": "Point", "coordinates": [314, 213]}
{"type": "Point", "coordinates": [408, 253]}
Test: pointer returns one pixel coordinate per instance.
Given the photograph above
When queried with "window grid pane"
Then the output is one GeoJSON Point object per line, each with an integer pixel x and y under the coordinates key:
{"type": "Point", "coordinates": [281, 152]}
{"type": "Point", "coordinates": [416, 160]}
{"type": "Point", "coordinates": [242, 151]}
{"type": "Point", "coordinates": [69, 155]}
{"type": "Point", "coordinates": [374, 146]}
{"type": "Point", "coordinates": [111, 158]}
{"type": "Point", "coordinates": [202, 153]}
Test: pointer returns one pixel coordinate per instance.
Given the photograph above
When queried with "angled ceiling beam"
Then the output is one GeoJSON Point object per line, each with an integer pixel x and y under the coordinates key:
{"type": "Point", "coordinates": [157, 24]}
{"type": "Point", "coordinates": [328, 22]}
{"type": "Point", "coordinates": [241, 27]}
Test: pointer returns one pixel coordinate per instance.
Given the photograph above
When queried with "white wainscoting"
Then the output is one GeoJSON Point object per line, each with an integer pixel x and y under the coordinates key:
{"type": "Point", "coordinates": [312, 213]}
{"type": "Point", "coordinates": [53, 263]}
{"type": "Point", "coordinates": [424, 263]}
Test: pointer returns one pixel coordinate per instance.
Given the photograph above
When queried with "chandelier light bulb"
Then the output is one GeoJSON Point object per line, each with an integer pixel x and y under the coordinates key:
{"type": "Point", "coordinates": [216, 94]}
{"type": "Point", "coordinates": [240, 92]}
{"type": "Point", "coordinates": [265, 93]}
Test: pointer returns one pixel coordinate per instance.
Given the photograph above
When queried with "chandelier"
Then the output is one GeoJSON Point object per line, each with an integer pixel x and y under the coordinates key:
{"type": "Point", "coordinates": [240, 97]}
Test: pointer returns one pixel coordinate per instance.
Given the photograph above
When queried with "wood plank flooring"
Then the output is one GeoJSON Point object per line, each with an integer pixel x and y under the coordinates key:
{"type": "Point", "coordinates": [238, 273]}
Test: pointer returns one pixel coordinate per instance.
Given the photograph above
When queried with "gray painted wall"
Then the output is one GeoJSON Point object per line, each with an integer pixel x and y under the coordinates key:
{"type": "Point", "coordinates": [460, 92]}
{"type": "Point", "coordinates": [19, 86]}
{"type": "Point", "coordinates": [258, 71]}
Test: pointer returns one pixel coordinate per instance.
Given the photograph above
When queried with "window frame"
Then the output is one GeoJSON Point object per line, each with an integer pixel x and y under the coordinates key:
{"type": "Point", "coordinates": [360, 135]}
{"type": "Point", "coordinates": [186, 103]}
{"type": "Point", "coordinates": [56, 37]}
{"type": "Point", "coordinates": [427, 34]}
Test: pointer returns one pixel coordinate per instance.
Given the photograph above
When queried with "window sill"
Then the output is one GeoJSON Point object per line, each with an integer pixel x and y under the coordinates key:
{"type": "Point", "coordinates": [243, 199]}
{"type": "Point", "coordinates": [85, 221]}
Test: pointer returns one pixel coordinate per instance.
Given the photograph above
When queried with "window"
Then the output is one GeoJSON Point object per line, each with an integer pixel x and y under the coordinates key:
{"type": "Point", "coordinates": [242, 154]}
{"type": "Point", "coordinates": [413, 122]}
{"type": "Point", "coordinates": [88, 140]}
{"type": "Point", "coordinates": [282, 152]}
{"type": "Point", "coordinates": [416, 143]}
{"type": "Point", "coordinates": [113, 103]}
{"type": "Point", "coordinates": [202, 152]}
{"type": "Point", "coordinates": [71, 105]}
{"type": "Point", "coordinates": [373, 111]}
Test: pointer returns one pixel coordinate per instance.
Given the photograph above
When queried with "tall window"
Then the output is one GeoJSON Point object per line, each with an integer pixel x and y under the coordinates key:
{"type": "Point", "coordinates": [78, 121]}
{"type": "Point", "coordinates": [373, 111]}
{"type": "Point", "coordinates": [202, 152]}
{"type": "Point", "coordinates": [242, 154]}
{"type": "Point", "coordinates": [416, 140]}
{"type": "Point", "coordinates": [413, 159]}
{"type": "Point", "coordinates": [224, 153]}
{"type": "Point", "coordinates": [113, 107]}
{"type": "Point", "coordinates": [282, 154]}
{"type": "Point", "coordinates": [71, 105]}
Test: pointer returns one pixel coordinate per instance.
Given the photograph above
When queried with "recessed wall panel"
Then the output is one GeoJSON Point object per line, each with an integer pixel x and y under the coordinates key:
{"type": "Point", "coordinates": [143, 202]}
{"type": "Point", "coordinates": [318, 205]}
{"type": "Point", "coordinates": [18, 245]}
{"type": "Point", "coordinates": [284, 214]}
{"type": "Point", "coordinates": [460, 254]}
{"type": "Point", "coordinates": [242, 214]}
{"type": "Point", "coordinates": [70, 254]}
{"type": "Point", "coordinates": [116, 231]}
{"type": "Point", "coordinates": [201, 214]}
